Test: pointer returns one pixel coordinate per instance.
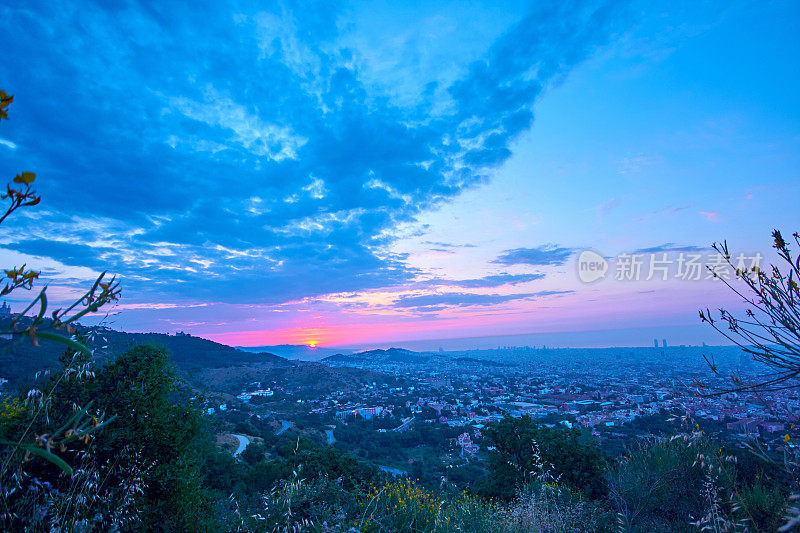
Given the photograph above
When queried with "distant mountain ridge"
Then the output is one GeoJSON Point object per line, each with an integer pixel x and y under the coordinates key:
{"type": "Point", "coordinates": [20, 359]}
{"type": "Point", "coordinates": [391, 355]}
{"type": "Point", "coordinates": [204, 364]}
{"type": "Point", "coordinates": [301, 352]}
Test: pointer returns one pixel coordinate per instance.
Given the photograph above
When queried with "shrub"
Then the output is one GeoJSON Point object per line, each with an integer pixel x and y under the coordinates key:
{"type": "Point", "coordinates": [689, 481]}
{"type": "Point", "coordinates": [402, 505]}
{"type": "Point", "coordinates": [296, 504]}
{"type": "Point", "coordinates": [548, 508]}
{"type": "Point", "coordinates": [523, 448]}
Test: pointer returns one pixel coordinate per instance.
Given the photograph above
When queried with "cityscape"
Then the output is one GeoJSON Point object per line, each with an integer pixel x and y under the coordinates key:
{"type": "Point", "coordinates": [458, 266]}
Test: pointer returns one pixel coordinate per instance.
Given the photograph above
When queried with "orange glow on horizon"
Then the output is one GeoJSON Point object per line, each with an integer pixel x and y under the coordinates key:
{"type": "Point", "coordinates": [559, 314]}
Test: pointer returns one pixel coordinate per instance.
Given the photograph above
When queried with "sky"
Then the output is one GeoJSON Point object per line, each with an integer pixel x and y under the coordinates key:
{"type": "Point", "coordinates": [381, 173]}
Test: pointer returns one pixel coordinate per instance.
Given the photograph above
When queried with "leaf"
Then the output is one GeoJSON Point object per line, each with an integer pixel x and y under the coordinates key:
{"type": "Point", "coordinates": [44, 454]}
{"type": "Point", "coordinates": [49, 456]}
{"type": "Point", "coordinates": [75, 345]}
{"type": "Point", "coordinates": [26, 177]}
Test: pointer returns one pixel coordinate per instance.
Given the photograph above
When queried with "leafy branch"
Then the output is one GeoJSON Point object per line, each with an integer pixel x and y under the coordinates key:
{"type": "Point", "coordinates": [42, 325]}
{"type": "Point", "coordinates": [770, 328]}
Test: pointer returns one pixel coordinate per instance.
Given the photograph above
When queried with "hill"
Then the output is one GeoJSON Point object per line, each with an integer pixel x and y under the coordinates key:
{"type": "Point", "coordinates": [20, 359]}
{"type": "Point", "coordinates": [204, 364]}
{"type": "Point", "coordinates": [299, 352]}
{"type": "Point", "coordinates": [188, 352]}
{"type": "Point", "coordinates": [392, 355]}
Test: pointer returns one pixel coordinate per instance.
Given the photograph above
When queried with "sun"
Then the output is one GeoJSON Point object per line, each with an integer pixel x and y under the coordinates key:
{"type": "Point", "coordinates": [312, 344]}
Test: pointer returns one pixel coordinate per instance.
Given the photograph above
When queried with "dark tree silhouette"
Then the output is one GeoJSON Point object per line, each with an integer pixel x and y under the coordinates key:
{"type": "Point", "coordinates": [770, 329]}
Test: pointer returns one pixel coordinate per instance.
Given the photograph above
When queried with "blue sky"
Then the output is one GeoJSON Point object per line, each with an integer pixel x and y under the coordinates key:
{"type": "Point", "coordinates": [369, 172]}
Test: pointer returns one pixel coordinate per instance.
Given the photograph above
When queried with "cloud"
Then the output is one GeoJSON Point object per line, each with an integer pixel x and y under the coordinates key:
{"type": "Point", "coordinates": [547, 254]}
{"type": "Point", "coordinates": [248, 130]}
{"type": "Point", "coordinates": [669, 247]}
{"type": "Point", "coordinates": [667, 211]}
{"type": "Point", "coordinates": [242, 156]}
{"type": "Point", "coordinates": [604, 209]}
{"type": "Point", "coordinates": [447, 245]}
{"type": "Point", "coordinates": [495, 280]}
{"type": "Point", "coordinates": [711, 216]}
{"type": "Point", "coordinates": [465, 299]}
{"type": "Point", "coordinates": [635, 164]}
{"type": "Point", "coordinates": [8, 144]}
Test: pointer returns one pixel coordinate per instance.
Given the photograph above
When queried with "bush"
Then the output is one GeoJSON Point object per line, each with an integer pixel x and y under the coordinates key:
{"type": "Point", "coordinates": [402, 505]}
{"type": "Point", "coordinates": [550, 508]}
{"type": "Point", "coordinates": [656, 485]}
{"type": "Point", "coordinates": [522, 449]}
{"type": "Point", "coordinates": [670, 485]}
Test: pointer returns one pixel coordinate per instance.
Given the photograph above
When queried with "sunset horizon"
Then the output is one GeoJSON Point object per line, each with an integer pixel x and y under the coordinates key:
{"type": "Point", "coordinates": [286, 178]}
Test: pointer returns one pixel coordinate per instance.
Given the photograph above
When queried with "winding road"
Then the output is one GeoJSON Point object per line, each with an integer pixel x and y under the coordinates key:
{"type": "Point", "coordinates": [285, 424]}
{"type": "Point", "coordinates": [243, 442]}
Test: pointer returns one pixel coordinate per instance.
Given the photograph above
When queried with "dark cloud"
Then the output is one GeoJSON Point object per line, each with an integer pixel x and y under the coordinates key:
{"type": "Point", "coordinates": [446, 245]}
{"type": "Point", "coordinates": [226, 153]}
{"type": "Point", "coordinates": [495, 280]}
{"type": "Point", "coordinates": [457, 299]}
{"type": "Point", "coordinates": [428, 302]}
{"type": "Point", "coordinates": [548, 254]}
{"type": "Point", "coordinates": [670, 247]}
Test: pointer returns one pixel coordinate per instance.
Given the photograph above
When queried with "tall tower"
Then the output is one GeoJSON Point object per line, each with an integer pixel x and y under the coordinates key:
{"type": "Point", "coordinates": [664, 343]}
{"type": "Point", "coordinates": [655, 343]}
{"type": "Point", "coordinates": [5, 310]}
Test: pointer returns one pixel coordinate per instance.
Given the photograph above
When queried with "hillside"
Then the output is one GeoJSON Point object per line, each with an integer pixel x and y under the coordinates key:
{"type": "Point", "coordinates": [205, 364]}
{"type": "Point", "coordinates": [20, 359]}
{"type": "Point", "coordinates": [299, 352]}
{"type": "Point", "coordinates": [392, 355]}
{"type": "Point", "coordinates": [187, 351]}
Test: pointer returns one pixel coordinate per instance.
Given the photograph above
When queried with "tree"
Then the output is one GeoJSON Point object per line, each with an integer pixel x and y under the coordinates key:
{"type": "Point", "coordinates": [160, 433]}
{"type": "Point", "coordinates": [524, 451]}
{"type": "Point", "coordinates": [770, 328]}
{"type": "Point", "coordinates": [144, 470]}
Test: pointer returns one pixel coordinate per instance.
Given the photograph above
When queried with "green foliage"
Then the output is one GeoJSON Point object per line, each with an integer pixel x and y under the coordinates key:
{"type": "Point", "coordinates": [142, 469]}
{"type": "Point", "coordinates": [327, 461]}
{"type": "Point", "coordinates": [765, 507]}
{"type": "Point", "coordinates": [163, 430]}
{"type": "Point", "coordinates": [56, 327]}
{"type": "Point", "coordinates": [254, 453]}
{"type": "Point", "coordinates": [656, 485]}
{"type": "Point", "coordinates": [403, 505]}
{"type": "Point", "coordinates": [50, 473]}
{"type": "Point", "coordinates": [551, 508]}
{"type": "Point", "coordinates": [523, 448]}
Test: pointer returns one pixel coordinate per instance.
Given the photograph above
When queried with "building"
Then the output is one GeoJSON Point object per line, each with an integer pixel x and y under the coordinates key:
{"type": "Point", "coordinates": [746, 426]}
{"type": "Point", "coordinates": [5, 310]}
{"type": "Point", "coordinates": [467, 446]}
{"type": "Point", "coordinates": [367, 412]}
